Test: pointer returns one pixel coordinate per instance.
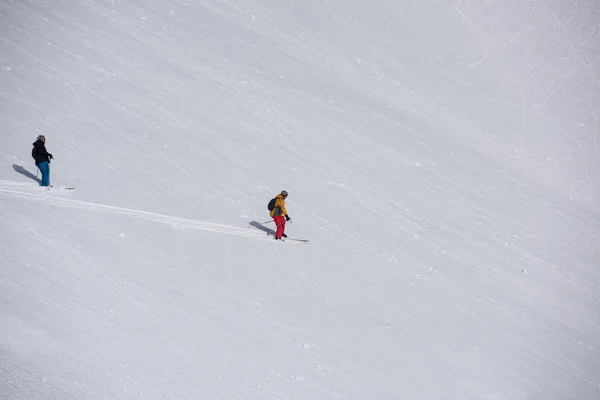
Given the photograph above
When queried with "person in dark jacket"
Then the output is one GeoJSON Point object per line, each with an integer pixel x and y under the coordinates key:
{"type": "Point", "coordinates": [42, 159]}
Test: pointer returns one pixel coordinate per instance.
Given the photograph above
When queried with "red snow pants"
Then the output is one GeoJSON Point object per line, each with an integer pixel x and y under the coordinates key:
{"type": "Point", "coordinates": [280, 226]}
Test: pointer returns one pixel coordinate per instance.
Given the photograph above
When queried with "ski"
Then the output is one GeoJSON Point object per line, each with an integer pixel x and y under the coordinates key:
{"type": "Point", "coordinates": [291, 239]}
{"type": "Point", "coordinates": [62, 187]}
{"type": "Point", "coordinates": [270, 232]}
{"type": "Point", "coordinates": [298, 240]}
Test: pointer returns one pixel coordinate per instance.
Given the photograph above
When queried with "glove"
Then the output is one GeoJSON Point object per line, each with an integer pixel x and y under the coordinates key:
{"type": "Point", "coordinates": [50, 156]}
{"type": "Point", "coordinates": [287, 217]}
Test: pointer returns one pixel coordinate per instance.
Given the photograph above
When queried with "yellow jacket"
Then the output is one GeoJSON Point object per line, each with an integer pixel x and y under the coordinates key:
{"type": "Point", "coordinates": [279, 206]}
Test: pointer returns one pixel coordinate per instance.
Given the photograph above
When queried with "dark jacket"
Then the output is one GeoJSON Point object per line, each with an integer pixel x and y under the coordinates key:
{"type": "Point", "coordinates": [39, 152]}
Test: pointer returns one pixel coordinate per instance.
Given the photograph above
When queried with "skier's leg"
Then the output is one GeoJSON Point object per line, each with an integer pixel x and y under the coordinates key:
{"type": "Point", "coordinates": [39, 166]}
{"type": "Point", "coordinates": [45, 170]}
{"type": "Point", "coordinates": [280, 226]}
{"type": "Point", "coordinates": [277, 222]}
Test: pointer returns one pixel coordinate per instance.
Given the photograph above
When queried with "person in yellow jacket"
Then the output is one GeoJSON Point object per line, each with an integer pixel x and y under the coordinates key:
{"type": "Point", "coordinates": [279, 214]}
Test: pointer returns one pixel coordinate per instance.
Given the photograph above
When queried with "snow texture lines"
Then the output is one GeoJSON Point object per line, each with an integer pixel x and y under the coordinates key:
{"type": "Point", "coordinates": [42, 195]}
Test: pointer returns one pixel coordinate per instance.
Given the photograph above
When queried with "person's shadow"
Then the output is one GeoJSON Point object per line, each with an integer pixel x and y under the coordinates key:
{"type": "Point", "coordinates": [23, 171]}
{"type": "Point", "coordinates": [263, 228]}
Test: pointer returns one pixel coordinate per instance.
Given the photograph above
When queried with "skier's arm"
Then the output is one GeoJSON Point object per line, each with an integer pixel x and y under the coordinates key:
{"type": "Point", "coordinates": [42, 151]}
{"type": "Point", "coordinates": [284, 211]}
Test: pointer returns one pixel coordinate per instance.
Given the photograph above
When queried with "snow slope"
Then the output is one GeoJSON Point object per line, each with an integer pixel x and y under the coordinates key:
{"type": "Point", "coordinates": [441, 156]}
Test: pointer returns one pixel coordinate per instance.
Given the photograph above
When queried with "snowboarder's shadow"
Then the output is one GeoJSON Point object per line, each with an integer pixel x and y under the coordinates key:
{"type": "Point", "coordinates": [263, 228]}
{"type": "Point", "coordinates": [23, 171]}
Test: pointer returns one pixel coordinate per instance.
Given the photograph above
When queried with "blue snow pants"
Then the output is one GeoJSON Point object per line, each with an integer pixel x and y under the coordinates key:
{"type": "Point", "coordinates": [44, 168]}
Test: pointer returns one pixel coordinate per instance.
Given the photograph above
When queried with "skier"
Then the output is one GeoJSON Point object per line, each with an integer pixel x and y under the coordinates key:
{"type": "Point", "coordinates": [279, 214]}
{"type": "Point", "coordinates": [42, 159]}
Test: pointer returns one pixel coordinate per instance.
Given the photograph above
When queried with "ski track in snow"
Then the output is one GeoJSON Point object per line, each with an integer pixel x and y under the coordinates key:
{"type": "Point", "coordinates": [443, 154]}
{"type": "Point", "coordinates": [48, 197]}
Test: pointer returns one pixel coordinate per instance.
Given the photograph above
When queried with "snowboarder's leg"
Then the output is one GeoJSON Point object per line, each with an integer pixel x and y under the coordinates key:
{"type": "Point", "coordinates": [280, 226]}
{"type": "Point", "coordinates": [45, 170]}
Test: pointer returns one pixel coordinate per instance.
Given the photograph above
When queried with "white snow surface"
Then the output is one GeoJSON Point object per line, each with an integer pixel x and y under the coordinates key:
{"type": "Point", "coordinates": [441, 155]}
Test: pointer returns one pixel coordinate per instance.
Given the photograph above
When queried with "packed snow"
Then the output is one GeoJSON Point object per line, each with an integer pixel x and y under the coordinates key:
{"type": "Point", "coordinates": [441, 156]}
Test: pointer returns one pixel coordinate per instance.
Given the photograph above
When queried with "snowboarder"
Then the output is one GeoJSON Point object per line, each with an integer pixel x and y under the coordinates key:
{"type": "Point", "coordinates": [279, 214]}
{"type": "Point", "coordinates": [42, 159]}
